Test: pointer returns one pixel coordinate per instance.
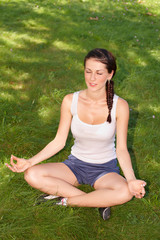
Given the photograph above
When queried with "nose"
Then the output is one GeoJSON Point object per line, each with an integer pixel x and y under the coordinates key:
{"type": "Point", "coordinates": [93, 77]}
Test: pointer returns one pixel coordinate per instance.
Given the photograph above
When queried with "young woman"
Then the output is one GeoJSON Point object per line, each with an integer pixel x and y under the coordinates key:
{"type": "Point", "coordinates": [94, 115]}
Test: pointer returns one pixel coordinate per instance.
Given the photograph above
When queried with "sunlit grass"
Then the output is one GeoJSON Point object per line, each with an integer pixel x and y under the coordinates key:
{"type": "Point", "coordinates": [42, 46]}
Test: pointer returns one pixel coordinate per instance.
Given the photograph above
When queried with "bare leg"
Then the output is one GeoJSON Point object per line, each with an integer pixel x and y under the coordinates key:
{"type": "Point", "coordinates": [58, 179]}
{"type": "Point", "coordinates": [110, 190]}
{"type": "Point", "coordinates": [53, 178]}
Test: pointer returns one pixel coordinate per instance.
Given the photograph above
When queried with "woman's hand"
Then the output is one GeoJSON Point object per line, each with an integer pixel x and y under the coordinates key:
{"type": "Point", "coordinates": [136, 187]}
{"type": "Point", "coordinates": [20, 166]}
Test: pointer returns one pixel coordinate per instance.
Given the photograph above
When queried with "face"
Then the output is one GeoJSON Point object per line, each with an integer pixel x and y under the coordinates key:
{"type": "Point", "coordinates": [96, 74]}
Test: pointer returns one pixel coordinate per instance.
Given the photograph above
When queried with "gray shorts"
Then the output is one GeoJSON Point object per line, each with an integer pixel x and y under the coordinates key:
{"type": "Point", "coordinates": [88, 173]}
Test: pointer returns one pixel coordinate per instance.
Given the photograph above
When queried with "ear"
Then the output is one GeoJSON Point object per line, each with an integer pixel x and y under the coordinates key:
{"type": "Point", "coordinates": [110, 75]}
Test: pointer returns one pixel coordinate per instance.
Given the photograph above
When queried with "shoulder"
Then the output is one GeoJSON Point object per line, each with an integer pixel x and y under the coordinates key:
{"type": "Point", "coordinates": [67, 100]}
{"type": "Point", "coordinates": [122, 108]}
{"type": "Point", "coordinates": [122, 103]}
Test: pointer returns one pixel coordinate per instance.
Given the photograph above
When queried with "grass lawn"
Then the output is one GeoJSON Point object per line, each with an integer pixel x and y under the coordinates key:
{"type": "Point", "coordinates": [42, 46]}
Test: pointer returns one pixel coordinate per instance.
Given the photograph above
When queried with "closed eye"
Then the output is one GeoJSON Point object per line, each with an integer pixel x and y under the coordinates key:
{"type": "Point", "coordinates": [100, 73]}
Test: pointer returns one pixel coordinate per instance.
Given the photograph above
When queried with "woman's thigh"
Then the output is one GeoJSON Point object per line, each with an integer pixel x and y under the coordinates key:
{"type": "Point", "coordinates": [111, 181]}
{"type": "Point", "coordinates": [55, 170]}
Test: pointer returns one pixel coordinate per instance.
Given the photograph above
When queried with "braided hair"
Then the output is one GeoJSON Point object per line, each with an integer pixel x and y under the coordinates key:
{"type": "Point", "coordinates": [107, 58]}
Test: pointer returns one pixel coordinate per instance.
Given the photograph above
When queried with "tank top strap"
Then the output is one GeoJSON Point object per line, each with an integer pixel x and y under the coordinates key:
{"type": "Point", "coordinates": [74, 103]}
{"type": "Point", "coordinates": [113, 111]}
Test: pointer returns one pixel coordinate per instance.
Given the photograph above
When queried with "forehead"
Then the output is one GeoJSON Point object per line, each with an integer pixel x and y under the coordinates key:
{"type": "Point", "coordinates": [95, 64]}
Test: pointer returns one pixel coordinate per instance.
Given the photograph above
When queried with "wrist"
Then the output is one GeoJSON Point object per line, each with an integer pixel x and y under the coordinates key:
{"type": "Point", "coordinates": [130, 179]}
{"type": "Point", "coordinates": [129, 175]}
{"type": "Point", "coordinates": [30, 162]}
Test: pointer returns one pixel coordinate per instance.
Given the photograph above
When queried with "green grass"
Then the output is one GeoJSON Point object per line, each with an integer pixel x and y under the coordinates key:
{"type": "Point", "coordinates": [42, 46]}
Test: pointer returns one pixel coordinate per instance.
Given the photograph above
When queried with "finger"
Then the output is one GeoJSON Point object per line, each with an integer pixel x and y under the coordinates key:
{"type": "Point", "coordinates": [11, 168]}
{"type": "Point", "coordinates": [133, 193]}
{"type": "Point", "coordinates": [138, 196]}
{"type": "Point", "coordinates": [143, 192]}
{"type": "Point", "coordinates": [143, 184]}
{"type": "Point", "coordinates": [12, 160]}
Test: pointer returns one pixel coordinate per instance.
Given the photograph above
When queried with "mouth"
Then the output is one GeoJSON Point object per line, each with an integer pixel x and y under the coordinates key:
{"type": "Point", "coordinates": [92, 84]}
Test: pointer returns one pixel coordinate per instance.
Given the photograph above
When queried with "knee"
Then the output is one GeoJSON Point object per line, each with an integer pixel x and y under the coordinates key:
{"type": "Point", "coordinates": [30, 175]}
{"type": "Point", "coordinates": [126, 195]}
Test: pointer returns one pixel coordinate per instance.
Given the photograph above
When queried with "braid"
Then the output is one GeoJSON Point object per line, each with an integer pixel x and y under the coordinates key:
{"type": "Point", "coordinates": [110, 94]}
{"type": "Point", "coordinates": [107, 58]}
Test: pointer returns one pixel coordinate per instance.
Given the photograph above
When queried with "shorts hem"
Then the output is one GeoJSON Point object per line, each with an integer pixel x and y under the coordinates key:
{"type": "Point", "coordinates": [76, 175]}
{"type": "Point", "coordinates": [102, 174]}
{"type": "Point", "coordinates": [89, 173]}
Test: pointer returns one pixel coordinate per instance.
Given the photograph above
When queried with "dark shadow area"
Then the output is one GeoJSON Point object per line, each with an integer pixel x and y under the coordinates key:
{"type": "Point", "coordinates": [42, 47]}
{"type": "Point", "coordinates": [61, 33]}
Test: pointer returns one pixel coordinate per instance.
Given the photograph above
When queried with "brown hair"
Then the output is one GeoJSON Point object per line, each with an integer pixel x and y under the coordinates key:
{"type": "Point", "coordinates": [107, 58]}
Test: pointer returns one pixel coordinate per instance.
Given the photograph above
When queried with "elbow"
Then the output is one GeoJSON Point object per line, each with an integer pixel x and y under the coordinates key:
{"type": "Point", "coordinates": [118, 151]}
{"type": "Point", "coordinates": [63, 144]}
{"type": "Point", "coordinates": [121, 151]}
{"type": "Point", "coordinates": [117, 154]}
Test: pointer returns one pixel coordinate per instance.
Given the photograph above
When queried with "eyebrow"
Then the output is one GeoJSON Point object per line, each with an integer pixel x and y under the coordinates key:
{"type": "Point", "coordinates": [96, 70]}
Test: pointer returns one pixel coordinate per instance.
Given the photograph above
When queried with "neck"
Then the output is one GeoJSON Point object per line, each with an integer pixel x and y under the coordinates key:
{"type": "Point", "coordinates": [96, 96]}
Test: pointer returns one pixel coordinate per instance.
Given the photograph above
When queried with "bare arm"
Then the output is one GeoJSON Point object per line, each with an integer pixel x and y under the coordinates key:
{"type": "Point", "coordinates": [123, 156]}
{"type": "Point", "coordinates": [59, 141]}
{"type": "Point", "coordinates": [54, 146]}
{"type": "Point", "coordinates": [136, 186]}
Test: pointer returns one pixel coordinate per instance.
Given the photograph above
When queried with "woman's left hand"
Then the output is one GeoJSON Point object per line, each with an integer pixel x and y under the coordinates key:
{"type": "Point", "coordinates": [136, 187]}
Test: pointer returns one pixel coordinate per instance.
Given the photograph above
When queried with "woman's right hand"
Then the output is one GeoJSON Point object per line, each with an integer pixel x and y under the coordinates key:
{"type": "Point", "coordinates": [18, 164]}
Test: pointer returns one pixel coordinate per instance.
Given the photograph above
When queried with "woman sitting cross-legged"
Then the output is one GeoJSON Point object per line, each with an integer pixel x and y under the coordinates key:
{"type": "Point", "coordinates": [94, 115]}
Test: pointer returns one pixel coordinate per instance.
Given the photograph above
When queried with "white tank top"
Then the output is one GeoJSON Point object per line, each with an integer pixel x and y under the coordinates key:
{"type": "Point", "coordinates": [93, 143]}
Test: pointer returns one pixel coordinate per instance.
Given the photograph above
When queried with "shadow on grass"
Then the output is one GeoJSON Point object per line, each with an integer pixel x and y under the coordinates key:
{"type": "Point", "coordinates": [42, 49]}
{"type": "Point", "coordinates": [44, 42]}
{"type": "Point", "coordinates": [47, 41]}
